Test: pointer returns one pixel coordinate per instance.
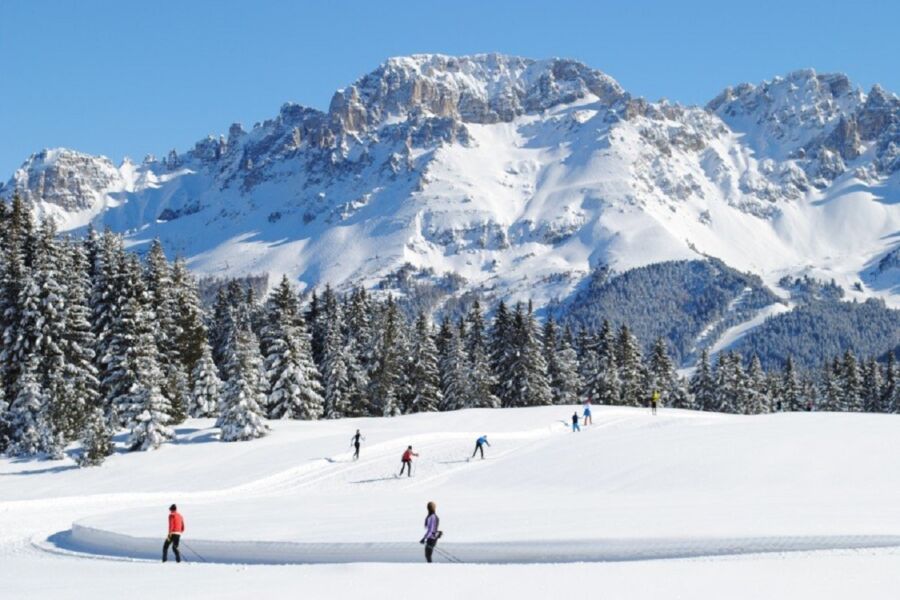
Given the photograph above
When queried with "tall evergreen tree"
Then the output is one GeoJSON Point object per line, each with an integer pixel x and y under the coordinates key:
{"type": "Point", "coordinates": [96, 438]}
{"type": "Point", "coordinates": [425, 375]}
{"type": "Point", "coordinates": [206, 386]}
{"type": "Point", "coordinates": [661, 374]}
{"type": "Point", "coordinates": [82, 383]}
{"type": "Point", "coordinates": [453, 370]}
{"type": "Point", "coordinates": [703, 385]}
{"type": "Point", "coordinates": [388, 352]}
{"type": "Point", "coordinates": [872, 387]}
{"type": "Point", "coordinates": [527, 383]}
{"type": "Point", "coordinates": [562, 364]}
{"type": "Point", "coordinates": [482, 382]}
{"type": "Point", "coordinates": [241, 405]}
{"type": "Point", "coordinates": [755, 397]}
{"type": "Point", "coordinates": [850, 381]}
{"type": "Point", "coordinates": [628, 358]}
{"type": "Point", "coordinates": [293, 380]}
{"type": "Point", "coordinates": [791, 390]}
{"type": "Point", "coordinates": [335, 365]}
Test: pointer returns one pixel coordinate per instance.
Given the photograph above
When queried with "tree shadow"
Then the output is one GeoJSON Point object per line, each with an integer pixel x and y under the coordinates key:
{"type": "Point", "coordinates": [56, 469]}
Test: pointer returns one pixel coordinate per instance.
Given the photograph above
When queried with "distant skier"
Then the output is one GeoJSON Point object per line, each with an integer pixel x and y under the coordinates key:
{"type": "Point", "coordinates": [479, 446]}
{"type": "Point", "coordinates": [355, 443]}
{"type": "Point", "coordinates": [176, 528]}
{"type": "Point", "coordinates": [575, 426]}
{"type": "Point", "coordinates": [432, 531]}
{"type": "Point", "coordinates": [587, 413]}
{"type": "Point", "coordinates": [654, 402]}
{"type": "Point", "coordinates": [406, 462]}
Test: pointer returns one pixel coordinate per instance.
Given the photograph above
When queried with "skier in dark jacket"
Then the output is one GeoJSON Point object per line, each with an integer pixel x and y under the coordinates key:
{"type": "Point", "coordinates": [479, 446]}
{"type": "Point", "coordinates": [432, 531]}
{"type": "Point", "coordinates": [176, 528]}
{"type": "Point", "coordinates": [406, 462]}
{"type": "Point", "coordinates": [355, 443]}
{"type": "Point", "coordinates": [575, 426]}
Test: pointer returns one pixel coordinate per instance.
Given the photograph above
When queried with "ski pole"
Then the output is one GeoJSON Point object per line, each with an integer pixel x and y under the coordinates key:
{"type": "Point", "coordinates": [195, 552]}
{"type": "Point", "coordinates": [447, 555]}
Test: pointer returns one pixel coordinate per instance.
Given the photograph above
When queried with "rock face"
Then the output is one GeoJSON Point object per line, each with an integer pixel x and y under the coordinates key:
{"type": "Point", "coordinates": [517, 176]}
{"type": "Point", "coordinates": [65, 179]}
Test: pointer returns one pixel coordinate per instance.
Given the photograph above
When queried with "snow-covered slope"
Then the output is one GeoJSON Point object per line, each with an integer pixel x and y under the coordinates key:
{"type": "Point", "coordinates": [779, 487]}
{"type": "Point", "coordinates": [518, 175]}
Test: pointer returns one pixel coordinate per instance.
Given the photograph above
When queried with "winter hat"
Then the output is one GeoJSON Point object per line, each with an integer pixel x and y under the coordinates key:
{"type": "Point", "coordinates": [173, 508]}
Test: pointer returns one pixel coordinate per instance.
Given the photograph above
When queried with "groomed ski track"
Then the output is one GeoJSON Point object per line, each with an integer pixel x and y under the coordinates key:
{"type": "Point", "coordinates": [93, 534]}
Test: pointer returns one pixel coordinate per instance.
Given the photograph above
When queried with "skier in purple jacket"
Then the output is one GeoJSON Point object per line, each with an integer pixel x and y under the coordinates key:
{"type": "Point", "coordinates": [432, 533]}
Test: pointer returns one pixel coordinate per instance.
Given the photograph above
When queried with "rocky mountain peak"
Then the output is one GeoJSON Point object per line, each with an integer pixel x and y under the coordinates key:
{"type": "Point", "coordinates": [64, 178]}
{"type": "Point", "coordinates": [483, 88]}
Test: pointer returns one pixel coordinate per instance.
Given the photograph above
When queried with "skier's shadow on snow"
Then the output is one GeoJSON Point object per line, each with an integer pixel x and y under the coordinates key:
{"type": "Point", "coordinates": [452, 462]}
{"type": "Point", "coordinates": [377, 479]}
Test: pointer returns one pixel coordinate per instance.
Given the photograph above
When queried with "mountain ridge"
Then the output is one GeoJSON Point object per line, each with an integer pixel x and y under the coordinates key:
{"type": "Point", "coordinates": [519, 177]}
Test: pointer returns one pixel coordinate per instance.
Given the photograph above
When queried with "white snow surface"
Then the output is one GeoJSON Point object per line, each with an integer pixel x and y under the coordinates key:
{"type": "Point", "coordinates": [682, 505]}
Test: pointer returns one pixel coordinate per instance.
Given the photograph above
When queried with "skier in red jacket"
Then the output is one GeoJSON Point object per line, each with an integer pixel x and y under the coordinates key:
{"type": "Point", "coordinates": [176, 528]}
{"type": "Point", "coordinates": [406, 462]}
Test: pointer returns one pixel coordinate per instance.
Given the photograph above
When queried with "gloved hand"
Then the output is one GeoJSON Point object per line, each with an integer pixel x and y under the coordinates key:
{"type": "Point", "coordinates": [169, 538]}
{"type": "Point", "coordinates": [422, 541]}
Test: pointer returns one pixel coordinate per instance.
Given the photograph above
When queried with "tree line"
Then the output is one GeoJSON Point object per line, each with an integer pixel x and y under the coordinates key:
{"type": "Point", "coordinates": [96, 340]}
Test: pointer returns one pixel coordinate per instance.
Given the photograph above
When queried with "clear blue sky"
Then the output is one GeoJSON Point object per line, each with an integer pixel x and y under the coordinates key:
{"type": "Point", "coordinates": [129, 78]}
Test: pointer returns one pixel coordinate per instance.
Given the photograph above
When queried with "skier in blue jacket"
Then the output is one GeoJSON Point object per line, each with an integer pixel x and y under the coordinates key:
{"type": "Point", "coordinates": [479, 446]}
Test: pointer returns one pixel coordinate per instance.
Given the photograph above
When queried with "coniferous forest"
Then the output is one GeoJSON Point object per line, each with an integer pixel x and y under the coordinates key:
{"type": "Point", "coordinates": [97, 340]}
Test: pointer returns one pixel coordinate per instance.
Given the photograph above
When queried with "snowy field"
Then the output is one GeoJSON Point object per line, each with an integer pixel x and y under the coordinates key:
{"type": "Point", "coordinates": [682, 505]}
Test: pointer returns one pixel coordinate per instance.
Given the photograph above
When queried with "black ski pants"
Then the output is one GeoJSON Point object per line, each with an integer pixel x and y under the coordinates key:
{"type": "Point", "coordinates": [356, 454]}
{"type": "Point", "coordinates": [173, 540]}
{"type": "Point", "coordinates": [478, 448]}
{"type": "Point", "coordinates": [429, 548]}
{"type": "Point", "coordinates": [407, 464]}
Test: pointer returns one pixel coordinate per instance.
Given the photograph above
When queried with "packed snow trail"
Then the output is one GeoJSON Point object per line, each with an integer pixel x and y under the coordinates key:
{"type": "Point", "coordinates": [81, 540]}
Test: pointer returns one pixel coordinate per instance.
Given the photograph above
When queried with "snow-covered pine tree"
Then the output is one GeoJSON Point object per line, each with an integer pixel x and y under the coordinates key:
{"type": "Point", "coordinates": [388, 353]}
{"type": "Point", "coordinates": [730, 383]}
{"type": "Point", "coordinates": [31, 432]}
{"type": "Point", "coordinates": [891, 390]}
{"type": "Point", "coordinates": [562, 367]}
{"type": "Point", "coordinates": [872, 386]}
{"type": "Point", "coordinates": [241, 404]}
{"type": "Point", "coordinates": [17, 239]}
{"type": "Point", "coordinates": [481, 380]}
{"type": "Point", "coordinates": [192, 339]}
{"type": "Point", "coordinates": [850, 381]}
{"type": "Point", "coordinates": [830, 388]}
{"type": "Point", "coordinates": [107, 295]}
{"type": "Point", "coordinates": [359, 347]}
{"type": "Point", "coordinates": [82, 383]}
{"type": "Point", "coordinates": [96, 439]}
{"type": "Point", "coordinates": [703, 384]}
{"type": "Point", "coordinates": [607, 385]}
{"type": "Point", "coordinates": [791, 389]}
{"type": "Point", "coordinates": [143, 404]}
{"type": "Point", "coordinates": [424, 374]}
{"type": "Point", "coordinates": [588, 362]}
{"type": "Point", "coordinates": [755, 399]}
{"type": "Point", "coordinates": [295, 391]}
{"type": "Point", "coordinates": [161, 301]}
{"type": "Point", "coordinates": [40, 397]}
{"type": "Point", "coordinates": [502, 354]}
{"type": "Point", "coordinates": [528, 384]}
{"type": "Point", "coordinates": [206, 386]}
{"type": "Point", "coordinates": [453, 370]}
{"type": "Point", "coordinates": [630, 369]}
{"type": "Point", "coordinates": [661, 374]}
{"type": "Point", "coordinates": [335, 365]}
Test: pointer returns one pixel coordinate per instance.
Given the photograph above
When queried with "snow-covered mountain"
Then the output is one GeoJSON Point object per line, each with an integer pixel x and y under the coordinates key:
{"type": "Point", "coordinates": [519, 177]}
